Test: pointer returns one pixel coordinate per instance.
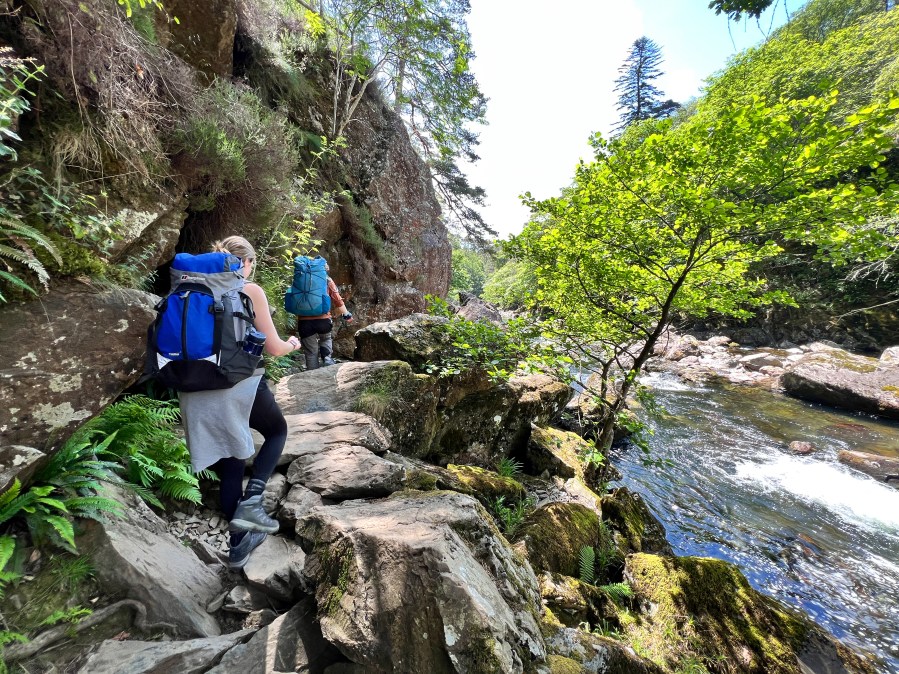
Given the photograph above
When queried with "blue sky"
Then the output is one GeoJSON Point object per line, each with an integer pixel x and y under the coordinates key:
{"type": "Point", "coordinates": [549, 68]}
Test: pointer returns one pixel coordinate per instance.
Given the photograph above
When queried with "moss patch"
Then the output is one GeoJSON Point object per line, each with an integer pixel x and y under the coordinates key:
{"type": "Point", "coordinates": [486, 484]}
{"type": "Point", "coordinates": [554, 535]}
{"type": "Point", "coordinates": [561, 665]}
{"type": "Point", "coordinates": [704, 608]}
{"type": "Point", "coordinates": [636, 528]}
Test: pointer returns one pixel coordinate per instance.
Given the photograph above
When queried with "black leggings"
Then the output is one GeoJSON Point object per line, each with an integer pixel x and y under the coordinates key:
{"type": "Point", "coordinates": [266, 418]}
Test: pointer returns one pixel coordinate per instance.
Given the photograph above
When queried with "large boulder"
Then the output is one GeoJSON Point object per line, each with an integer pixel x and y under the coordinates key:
{"type": "Point", "coordinates": [422, 582]}
{"type": "Point", "coordinates": [473, 308]}
{"type": "Point", "coordinates": [414, 339]}
{"type": "Point", "coordinates": [65, 357]}
{"type": "Point", "coordinates": [835, 377]}
{"type": "Point", "coordinates": [136, 557]}
{"type": "Point", "coordinates": [554, 534]}
{"type": "Point", "coordinates": [728, 621]}
{"type": "Point", "coordinates": [635, 528]}
{"type": "Point", "coordinates": [316, 431]}
{"type": "Point", "coordinates": [883, 468]}
{"type": "Point", "coordinates": [575, 651]}
{"type": "Point", "coordinates": [345, 472]}
{"type": "Point", "coordinates": [465, 419]}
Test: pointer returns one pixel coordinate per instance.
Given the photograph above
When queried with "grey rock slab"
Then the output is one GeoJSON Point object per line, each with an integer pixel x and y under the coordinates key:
{"type": "Point", "coordinates": [160, 657]}
{"type": "Point", "coordinates": [18, 462]}
{"type": "Point", "coordinates": [156, 569]}
{"type": "Point", "coordinates": [346, 471]}
{"type": "Point", "coordinates": [292, 643]}
{"type": "Point", "coordinates": [243, 599]}
{"type": "Point", "coordinates": [298, 502]}
{"type": "Point", "coordinates": [52, 385]}
{"type": "Point", "coordinates": [313, 432]}
{"type": "Point", "coordinates": [422, 582]}
{"type": "Point", "coordinates": [276, 568]}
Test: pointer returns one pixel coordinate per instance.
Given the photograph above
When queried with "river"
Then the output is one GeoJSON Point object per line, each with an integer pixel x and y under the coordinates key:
{"type": "Point", "coordinates": [809, 531]}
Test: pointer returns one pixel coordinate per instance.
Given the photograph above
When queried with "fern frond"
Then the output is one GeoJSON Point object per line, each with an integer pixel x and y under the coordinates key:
{"type": "Point", "coordinates": [93, 507]}
{"type": "Point", "coordinates": [618, 591]}
{"type": "Point", "coordinates": [7, 548]}
{"type": "Point", "coordinates": [58, 529]}
{"type": "Point", "coordinates": [14, 280]}
{"type": "Point", "coordinates": [587, 564]}
{"type": "Point", "coordinates": [17, 227]}
{"type": "Point", "coordinates": [179, 489]}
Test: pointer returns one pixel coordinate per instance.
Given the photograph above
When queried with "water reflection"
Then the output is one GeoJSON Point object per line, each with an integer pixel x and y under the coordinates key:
{"type": "Point", "coordinates": [808, 530]}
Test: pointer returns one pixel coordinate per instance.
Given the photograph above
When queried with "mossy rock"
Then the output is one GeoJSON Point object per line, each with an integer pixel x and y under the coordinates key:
{"type": "Point", "coordinates": [562, 665]}
{"type": "Point", "coordinates": [554, 534]}
{"type": "Point", "coordinates": [563, 453]}
{"type": "Point", "coordinates": [593, 653]}
{"type": "Point", "coordinates": [572, 602]}
{"type": "Point", "coordinates": [636, 529]}
{"type": "Point", "coordinates": [704, 610]}
{"type": "Point", "coordinates": [486, 484]}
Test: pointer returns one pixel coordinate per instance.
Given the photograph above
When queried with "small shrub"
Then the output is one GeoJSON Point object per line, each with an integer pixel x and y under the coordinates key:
{"type": "Point", "coordinates": [512, 516]}
{"type": "Point", "coordinates": [508, 467]}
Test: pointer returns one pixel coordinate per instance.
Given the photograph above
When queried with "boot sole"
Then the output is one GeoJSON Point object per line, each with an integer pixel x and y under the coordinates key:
{"type": "Point", "coordinates": [246, 525]}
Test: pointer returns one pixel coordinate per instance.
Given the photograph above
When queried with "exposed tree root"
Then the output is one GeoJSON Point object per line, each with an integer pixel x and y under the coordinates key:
{"type": "Point", "coordinates": [44, 639]}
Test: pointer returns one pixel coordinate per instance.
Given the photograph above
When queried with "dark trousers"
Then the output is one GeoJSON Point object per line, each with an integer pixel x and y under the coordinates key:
{"type": "Point", "coordinates": [315, 336]}
{"type": "Point", "coordinates": [266, 418]}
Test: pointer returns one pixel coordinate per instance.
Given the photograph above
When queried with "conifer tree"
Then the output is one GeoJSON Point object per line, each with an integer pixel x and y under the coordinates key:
{"type": "Point", "coordinates": [638, 97]}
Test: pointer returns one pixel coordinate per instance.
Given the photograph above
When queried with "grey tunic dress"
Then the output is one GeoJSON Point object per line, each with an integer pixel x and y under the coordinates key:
{"type": "Point", "coordinates": [217, 423]}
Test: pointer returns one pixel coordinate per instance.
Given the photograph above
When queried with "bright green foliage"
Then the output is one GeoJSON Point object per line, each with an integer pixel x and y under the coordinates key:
{"type": "Point", "coordinates": [671, 225]}
{"type": "Point", "coordinates": [139, 433]}
{"type": "Point", "coordinates": [518, 346]}
{"type": "Point", "coordinates": [587, 564]}
{"type": "Point", "coordinates": [511, 286]}
{"type": "Point", "coordinates": [827, 45]}
{"type": "Point", "coordinates": [15, 75]}
{"type": "Point", "coordinates": [735, 9]}
{"type": "Point", "coordinates": [469, 273]}
{"type": "Point", "coordinates": [618, 591]}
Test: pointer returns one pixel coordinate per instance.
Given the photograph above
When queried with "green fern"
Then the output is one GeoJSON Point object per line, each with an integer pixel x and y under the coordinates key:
{"type": "Point", "coordinates": [587, 564]}
{"type": "Point", "coordinates": [618, 591]}
{"type": "Point", "coordinates": [139, 432]}
{"type": "Point", "coordinates": [69, 615]}
{"type": "Point", "coordinates": [16, 241]}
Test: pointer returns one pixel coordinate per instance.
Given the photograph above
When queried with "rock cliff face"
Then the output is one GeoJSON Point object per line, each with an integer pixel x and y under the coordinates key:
{"type": "Point", "coordinates": [64, 357]}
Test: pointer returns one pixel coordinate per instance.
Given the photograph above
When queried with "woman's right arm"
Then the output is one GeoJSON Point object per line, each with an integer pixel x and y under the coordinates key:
{"type": "Point", "coordinates": [274, 345]}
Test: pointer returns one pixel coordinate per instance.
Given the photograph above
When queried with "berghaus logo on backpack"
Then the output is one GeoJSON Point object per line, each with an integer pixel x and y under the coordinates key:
{"type": "Point", "coordinates": [308, 294]}
{"type": "Point", "coordinates": [196, 342]}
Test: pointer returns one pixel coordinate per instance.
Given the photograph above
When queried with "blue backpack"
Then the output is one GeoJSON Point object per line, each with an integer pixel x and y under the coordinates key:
{"type": "Point", "coordinates": [308, 296]}
{"type": "Point", "coordinates": [196, 342]}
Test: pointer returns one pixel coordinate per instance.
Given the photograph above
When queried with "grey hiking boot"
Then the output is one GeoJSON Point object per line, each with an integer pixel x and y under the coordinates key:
{"type": "Point", "coordinates": [329, 361]}
{"type": "Point", "coordinates": [240, 553]}
{"type": "Point", "coordinates": [251, 516]}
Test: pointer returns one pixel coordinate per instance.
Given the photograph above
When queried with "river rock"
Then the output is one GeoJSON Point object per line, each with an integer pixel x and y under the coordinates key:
{"type": "Point", "coordinates": [415, 339]}
{"type": "Point", "coordinates": [758, 361]}
{"type": "Point", "coordinates": [890, 356]}
{"type": "Point", "coordinates": [18, 462]}
{"type": "Point", "coordinates": [292, 643]}
{"type": "Point", "coordinates": [422, 582]}
{"type": "Point", "coordinates": [65, 357]}
{"type": "Point", "coordinates": [155, 657]}
{"type": "Point", "coordinates": [298, 502]}
{"type": "Point", "coordinates": [883, 468]}
{"type": "Point", "coordinates": [576, 651]}
{"type": "Point", "coordinates": [729, 621]}
{"type": "Point", "coordinates": [636, 528]}
{"type": "Point", "coordinates": [552, 536]}
{"type": "Point", "coordinates": [345, 471]}
{"type": "Point", "coordinates": [835, 377]}
{"type": "Point", "coordinates": [801, 448]}
{"type": "Point", "coordinates": [473, 308]}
